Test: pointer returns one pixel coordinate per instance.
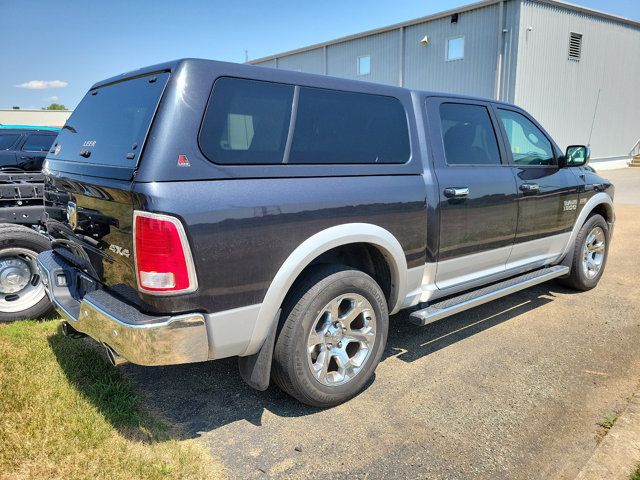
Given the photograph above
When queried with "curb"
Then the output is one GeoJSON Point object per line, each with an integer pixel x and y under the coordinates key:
{"type": "Point", "coordinates": [619, 452]}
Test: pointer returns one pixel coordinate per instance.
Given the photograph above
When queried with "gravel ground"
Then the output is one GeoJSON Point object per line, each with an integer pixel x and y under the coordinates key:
{"type": "Point", "coordinates": [513, 389]}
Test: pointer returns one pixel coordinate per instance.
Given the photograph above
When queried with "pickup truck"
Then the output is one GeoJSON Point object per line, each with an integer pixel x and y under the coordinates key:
{"type": "Point", "coordinates": [23, 149]}
{"type": "Point", "coordinates": [200, 210]}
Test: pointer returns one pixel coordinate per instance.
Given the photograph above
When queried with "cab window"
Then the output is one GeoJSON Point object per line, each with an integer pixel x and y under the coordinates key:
{"type": "Point", "coordinates": [529, 146]}
{"type": "Point", "coordinates": [468, 135]}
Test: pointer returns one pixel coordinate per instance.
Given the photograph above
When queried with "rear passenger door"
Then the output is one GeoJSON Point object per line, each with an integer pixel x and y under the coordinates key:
{"type": "Point", "coordinates": [547, 194]}
{"type": "Point", "coordinates": [477, 192]}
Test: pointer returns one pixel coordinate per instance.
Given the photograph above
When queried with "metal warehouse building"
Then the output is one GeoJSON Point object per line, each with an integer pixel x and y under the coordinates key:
{"type": "Point", "coordinates": [575, 69]}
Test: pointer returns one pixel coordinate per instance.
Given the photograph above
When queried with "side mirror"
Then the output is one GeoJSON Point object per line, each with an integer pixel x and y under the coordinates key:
{"type": "Point", "coordinates": [576, 156]}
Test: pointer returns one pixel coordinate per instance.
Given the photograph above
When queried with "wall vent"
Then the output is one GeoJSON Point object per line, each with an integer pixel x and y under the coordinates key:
{"type": "Point", "coordinates": [575, 46]}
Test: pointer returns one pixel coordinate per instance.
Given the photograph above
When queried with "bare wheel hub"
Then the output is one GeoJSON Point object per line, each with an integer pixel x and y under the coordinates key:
{"type": "Point", "coordinates": [341, 339]}
{"type": "Point", "coordinates": [20, 285]}
{"type": "Point", "coordinates": [14, 275]}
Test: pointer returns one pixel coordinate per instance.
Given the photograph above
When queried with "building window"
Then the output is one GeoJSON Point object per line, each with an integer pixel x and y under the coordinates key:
{"type": "Point", "coordinates": [364, 65]}
{"type": "Point", "coordinates": [575, 46]}
{"type": "Point", "coordinates": [455, 48]}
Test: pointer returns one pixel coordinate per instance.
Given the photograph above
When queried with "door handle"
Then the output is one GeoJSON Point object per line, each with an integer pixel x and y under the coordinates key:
{"type": "Point", "coordinates": [530, 187]}
{"type": "Point", "coordinates": [452, 192]}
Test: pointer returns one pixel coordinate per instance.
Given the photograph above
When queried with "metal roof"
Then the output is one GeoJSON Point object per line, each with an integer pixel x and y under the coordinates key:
{"type": "Point", "coordinates": [446, 13]}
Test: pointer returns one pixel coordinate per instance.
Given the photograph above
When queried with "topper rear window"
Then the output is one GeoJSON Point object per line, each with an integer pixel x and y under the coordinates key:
{"type": "Point", "coordinates": [110, 124]}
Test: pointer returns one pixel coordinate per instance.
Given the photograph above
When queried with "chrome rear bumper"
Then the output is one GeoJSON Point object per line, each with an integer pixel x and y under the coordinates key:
{"type": "Point", "coordinates": [139, 338]}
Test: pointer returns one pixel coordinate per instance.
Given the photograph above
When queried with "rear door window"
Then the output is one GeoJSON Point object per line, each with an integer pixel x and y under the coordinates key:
{"type": "Point", "coordinates": [38, 143]}
{"type": "Point", "coordinates": [247, 122]}
{"type": "Point", "coordinates": [468, 135]}
{"type": "Point", "coordinates": [111, 122]}
{"type": "Point", "coordinates": [335, 127]}
{"type": "Point", "coordinates": [7, 140]}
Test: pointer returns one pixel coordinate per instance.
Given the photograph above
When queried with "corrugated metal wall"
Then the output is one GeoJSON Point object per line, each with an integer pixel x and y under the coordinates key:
{"type": "Point", "coordinates": [384, 50]}
{"type": "Point", "coordinates": [426, 67]}
{"type": "Point", "coordinates": [311, 61]}
{"type": "Point", "coordinates": [563, 94]}
{"type": "Point", "coordinates": [267, 63]}
{"type": "Point", "coordinates": [510, 36]}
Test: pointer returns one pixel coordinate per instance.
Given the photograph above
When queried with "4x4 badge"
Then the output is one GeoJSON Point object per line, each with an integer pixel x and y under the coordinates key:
{"type": "Point", "coordinates": [183, 161]}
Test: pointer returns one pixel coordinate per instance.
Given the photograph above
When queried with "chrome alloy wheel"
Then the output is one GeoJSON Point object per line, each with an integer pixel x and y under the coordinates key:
{"type": "Point", "coordinates": [341, 339]}
{"type": "Point", "coordinates": [20, 285]}
{"type": "Point", "coordinates": [593, 252]}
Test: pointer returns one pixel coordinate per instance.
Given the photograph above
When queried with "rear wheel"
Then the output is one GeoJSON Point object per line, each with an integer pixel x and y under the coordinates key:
{"type": "Point", "coordinates": [22, 293]}
{"type": "Point", "coordinates": [332, 336]}
{"type": "Point", "coordinates": [589, 255]}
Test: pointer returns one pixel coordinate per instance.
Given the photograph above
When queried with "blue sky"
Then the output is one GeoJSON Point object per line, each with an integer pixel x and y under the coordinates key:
{"type": "Point", "coordinates": [55, 50]}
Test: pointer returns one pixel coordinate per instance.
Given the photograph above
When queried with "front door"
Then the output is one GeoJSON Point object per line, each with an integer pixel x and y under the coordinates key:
{"type": "Point", "coordinates": [547, 195]}
{"type": "Point", "coordinates": [478, 194]}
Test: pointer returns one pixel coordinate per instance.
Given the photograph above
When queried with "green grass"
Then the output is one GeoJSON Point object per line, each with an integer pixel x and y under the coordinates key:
{"type": "Point", "coordinates": [66, 413]}
{"type": "Point", "coordinates": [635, 475]}
{"type": "Point", "coordinates": [608, 421]}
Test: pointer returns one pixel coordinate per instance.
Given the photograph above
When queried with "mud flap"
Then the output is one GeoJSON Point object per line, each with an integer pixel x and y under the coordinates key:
{"type": "Point", "coordinates": [255, 369]}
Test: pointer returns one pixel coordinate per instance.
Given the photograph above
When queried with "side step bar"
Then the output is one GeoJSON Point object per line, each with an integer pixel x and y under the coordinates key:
{"type": "Point", "coordinates": [454, 305]}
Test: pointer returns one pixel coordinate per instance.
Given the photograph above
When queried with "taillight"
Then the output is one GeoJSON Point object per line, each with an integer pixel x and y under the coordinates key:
{"type": "Point", "coordinates": [163, 259]}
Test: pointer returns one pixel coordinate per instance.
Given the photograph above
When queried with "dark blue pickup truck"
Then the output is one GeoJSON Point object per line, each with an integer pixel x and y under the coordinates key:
{"type": "Point", "coordinates": [201, 210]}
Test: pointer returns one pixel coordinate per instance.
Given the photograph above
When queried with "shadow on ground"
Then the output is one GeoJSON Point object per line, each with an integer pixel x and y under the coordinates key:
{"type": "Point", "coordinates": [198, 398]}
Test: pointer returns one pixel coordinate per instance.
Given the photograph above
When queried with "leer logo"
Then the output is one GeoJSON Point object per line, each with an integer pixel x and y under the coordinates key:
{"type": "Point", "coordinates": [183, 161]}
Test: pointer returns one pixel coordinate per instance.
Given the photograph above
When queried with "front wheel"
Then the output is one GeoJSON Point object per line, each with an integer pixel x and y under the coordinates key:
{"type": "Point", "coordinates": [589, 255]}
{"type": "Point", "coordinates": [333, 333]}
{"type": "Point", "coordinates": [22, 294]}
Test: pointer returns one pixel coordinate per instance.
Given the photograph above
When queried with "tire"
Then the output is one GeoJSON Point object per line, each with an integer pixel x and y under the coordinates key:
{"type": "Point", "coordinates": [350, 349]}
{"type": "Point", "coordinates": [18, 248]}
{"type": "Point", "coordinates": [591, 249]}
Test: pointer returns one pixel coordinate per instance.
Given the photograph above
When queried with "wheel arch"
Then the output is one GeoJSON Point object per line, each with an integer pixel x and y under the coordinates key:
{"type": "Point", "coordinates": [601, 203]}
{"type": "Point", "coordinates": [313, 248]}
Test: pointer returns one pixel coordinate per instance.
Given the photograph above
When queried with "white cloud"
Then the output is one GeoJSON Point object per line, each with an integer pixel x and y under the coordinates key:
{"type": "Point", "coordinates": [42, 84]}
{"type": "Point", "coordinates": [53, 98]}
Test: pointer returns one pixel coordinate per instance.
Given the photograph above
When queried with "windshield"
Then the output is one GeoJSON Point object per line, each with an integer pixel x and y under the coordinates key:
{"type": "Point", "coordinates": [110, 124]}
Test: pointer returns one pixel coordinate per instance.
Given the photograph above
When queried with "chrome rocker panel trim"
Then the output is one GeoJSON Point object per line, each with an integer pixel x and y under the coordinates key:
{"type": "Point", "coordinates": [139, 338]}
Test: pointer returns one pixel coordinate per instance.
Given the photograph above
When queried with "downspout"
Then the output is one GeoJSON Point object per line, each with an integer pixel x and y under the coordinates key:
{"type": "Point", "coordinates": [498, 81]}
{"type": "Point", "coordinates": [401, 59]}
{"type": "Point", "coordinates": [325, 60]}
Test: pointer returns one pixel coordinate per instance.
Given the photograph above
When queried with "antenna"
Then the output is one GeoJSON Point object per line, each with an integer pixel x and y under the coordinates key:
{"type": "Point", "coordinates": [593, 120]}
{"type": "Point", "coordinates": [246, 56]}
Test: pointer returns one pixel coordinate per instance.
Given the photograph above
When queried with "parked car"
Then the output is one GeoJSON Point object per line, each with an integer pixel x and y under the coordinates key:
{"type": "Point", "coordinates": [202, 210]}
{"type": "Point", "coordinates": [22, 152]}
{"type": "Point", "coordinates": [25, 147]}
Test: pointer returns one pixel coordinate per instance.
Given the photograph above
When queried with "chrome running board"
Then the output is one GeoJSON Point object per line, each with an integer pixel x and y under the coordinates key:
{"type": "Point", "coordinates": [471, 299]}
